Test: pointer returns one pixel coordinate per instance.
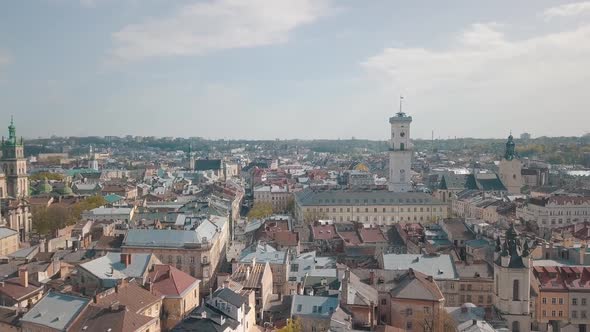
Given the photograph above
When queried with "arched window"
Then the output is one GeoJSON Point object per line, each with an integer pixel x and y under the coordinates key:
{"type": "Point", "coordinates": [515, 326]}
{"type": "Point", "coordinates": [515, 290]}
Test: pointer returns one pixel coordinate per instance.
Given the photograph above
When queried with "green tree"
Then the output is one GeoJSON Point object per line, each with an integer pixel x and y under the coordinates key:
{"type": "Point", "coordinates": [260, 210]}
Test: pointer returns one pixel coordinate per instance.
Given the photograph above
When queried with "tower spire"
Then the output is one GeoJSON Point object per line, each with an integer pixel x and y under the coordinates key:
{"type": "Point", "coordinates": [401, 99]}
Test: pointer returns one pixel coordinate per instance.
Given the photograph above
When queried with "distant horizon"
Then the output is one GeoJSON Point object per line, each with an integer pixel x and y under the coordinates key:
{"type": "Point", "coordinates": [516, 137]}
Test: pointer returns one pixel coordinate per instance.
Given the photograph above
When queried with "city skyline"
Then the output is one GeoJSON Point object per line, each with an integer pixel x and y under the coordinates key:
{"type": "Point", "coordinates": [293, 69]}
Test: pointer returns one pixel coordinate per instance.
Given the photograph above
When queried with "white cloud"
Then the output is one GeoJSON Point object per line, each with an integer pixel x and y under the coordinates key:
{"type": "Point", "coordinates": [216, 25]}
{"type": "Point", "coordinates": [567, 10]}
{"type": "Point", "coordinates": [484, 71]}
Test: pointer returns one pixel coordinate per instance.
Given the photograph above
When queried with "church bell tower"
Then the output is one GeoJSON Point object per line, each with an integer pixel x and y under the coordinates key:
{"type": "Point", "coordinates": [14, 164]}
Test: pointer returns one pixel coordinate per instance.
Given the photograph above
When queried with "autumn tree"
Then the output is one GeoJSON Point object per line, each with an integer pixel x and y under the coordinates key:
{"type": "Point", "coordinates": [260, 210]}
{"type": "Point", "coordinates": [293, 325]}
{"type": "Point", "coordinates": [49, 175]}
{"type": "Point", "coordinates": [47, 220]}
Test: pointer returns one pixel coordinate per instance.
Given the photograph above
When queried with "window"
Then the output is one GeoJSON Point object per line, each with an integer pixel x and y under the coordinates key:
{"type": "Point", "coordinates": [462, 287]}
{"type": "Point", "coordinates": [574, 314]}
{"type": "Point", "coordinates": [178, 259]}
{"type": "Point", "coordinates": [468, 298]}
{"type": "Point", "coordinates": [315, 308]}
{"type": "Point", "coordinates": [583, 314]}
{"type": "Point", "coordinates": [544, 300]}
{"type": "Point", "coordinates": [553, 313]}
{"type": "Point", "coordinates": [409, 312]}
{"type": "Point", "coordinates": [553, 301]}
{"type": "Point", "coordinates": [409, 325]}
{"type": "Point", "coordinates": [583, 301]}
{"type": "Point", "coordinates": [574, 301]}
{"type": "Point", "coordinates": [299, 308]}
{"type": "Point", "coordinates": [544, 313]}
{"type": "Point", "coordinates": [383, 301]}
{"type": "Point", "coordinates": [515, 290]}
{"type": "Point", "coordinates": [427, 310]}
{"type": "Point", "coordinates": [468, 287]}
{"type": "Point", "coordinates": [560, 313]}
{"type": "Point", "coordinates": [480, 299]}
{"type": "Point", "coordinates": [561, 301]}
{"type": "Point", "coordinates": [193, 260]}
{"type": "Point", "coordinates": [489, 299]}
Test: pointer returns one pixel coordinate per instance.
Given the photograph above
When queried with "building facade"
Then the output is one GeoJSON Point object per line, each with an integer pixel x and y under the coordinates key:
{"type": "Point", "coordinates": [555, 211]}
{"type": "Point", "coordinates": [198, 252]}
{"type": "Point", "coordinates": [377, 207]}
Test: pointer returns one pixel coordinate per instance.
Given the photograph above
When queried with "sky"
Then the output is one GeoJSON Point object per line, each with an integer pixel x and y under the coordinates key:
{"type": "Point", "coordinates": [266, 69]}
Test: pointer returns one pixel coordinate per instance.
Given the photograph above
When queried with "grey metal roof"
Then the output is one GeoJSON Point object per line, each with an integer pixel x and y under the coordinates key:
{"type": "Point", "coordinates": [437, 266]}
{"type": "Point", "coordinates": [319, 306]}
{"type": "Point", "coordinates": [56, 310]}
{"type": "Point", "coordinates": [376, 197]}
{"type": "Point", "coordinates": [229, 296]}
{"type": "Point", "coordinates": [263, 253]}
{"type": "Point", "coordinates": [169, 238]}
{"type": "Point", "coordinates": [101, 267]}
{"type": "Point", "coordinates": [5, 232]}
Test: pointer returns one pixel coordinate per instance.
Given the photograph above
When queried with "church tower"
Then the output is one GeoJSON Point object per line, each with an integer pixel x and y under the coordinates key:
{"type": "Point", "coordinates": [512, 281]}
{"type": "Point", "coordinates": [400, 152]}
{"type": "Point", "coordinates": [14, 164]}
{"type": "Point", "coordinates": [92, 162]}
{"type": "Point", "coordinates": [510, 168]}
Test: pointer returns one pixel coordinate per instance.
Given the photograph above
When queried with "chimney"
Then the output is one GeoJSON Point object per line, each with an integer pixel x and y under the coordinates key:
{"type": "Point", "coordinates": [372, 277]}
{"type": "Point", "coordinates": [226, 283]}
{"type": "Point", "coordinates": [126, 259]}
{"type": "Point", "coordinates": [247, 272]}
{"type": "Point", "coordinates": [474, 322]}
{"type": "Point", "coordinates": [253, 262]}
{"type": "Point", "coordinates": [23, 276]}
{"type": "Point", "coordinates": [299, 290]}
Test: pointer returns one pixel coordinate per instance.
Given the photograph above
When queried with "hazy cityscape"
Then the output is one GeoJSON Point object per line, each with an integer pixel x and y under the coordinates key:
{"type": "Point", "coordinates": [222, 165]}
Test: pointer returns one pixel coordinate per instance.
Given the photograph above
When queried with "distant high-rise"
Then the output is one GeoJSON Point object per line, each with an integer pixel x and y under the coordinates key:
{"type": "Point", "coordinates": [400, 153]}
{"type": "Point", "coordinates": [14, 164]}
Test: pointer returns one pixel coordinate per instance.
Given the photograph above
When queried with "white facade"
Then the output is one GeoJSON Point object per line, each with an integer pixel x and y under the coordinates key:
{"type": "Point", "coordinates": [400, 153]}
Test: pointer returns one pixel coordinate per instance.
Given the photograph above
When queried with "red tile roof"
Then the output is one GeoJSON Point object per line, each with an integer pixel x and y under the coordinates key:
{"type": "Point", "coordinates": [372, 235]}
{"type": "Point", "coordinates": [170, 281]}
{"type": "Point", "coordinates": [324, 232]}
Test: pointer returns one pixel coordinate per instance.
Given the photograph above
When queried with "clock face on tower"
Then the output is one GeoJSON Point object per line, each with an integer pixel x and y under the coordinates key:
{"type": "Point", "coordinates": [402, 134]}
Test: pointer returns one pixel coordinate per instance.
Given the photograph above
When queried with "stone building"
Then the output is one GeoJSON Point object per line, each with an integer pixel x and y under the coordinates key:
{"type": "Point", "coordinates": [278, 196]}
{"type": "Point", "coordinates": [198, 252]}
{"type": "Point", "coordinates": [378, 207]}
{"type": "Point", "coordinates": [555, 211]}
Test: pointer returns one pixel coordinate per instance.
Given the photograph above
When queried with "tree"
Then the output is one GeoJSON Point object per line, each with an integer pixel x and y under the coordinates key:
{"type": "Point", "coordinates": [47, 220]}
{"type": "Point", "coordinates": [49, 175]}
{"type": "Point", "coordinates": [260, 210]}
{"type": "Point", "coordinates": [291, 205]}
{"type": "Point", "coordinates": [293, 325]}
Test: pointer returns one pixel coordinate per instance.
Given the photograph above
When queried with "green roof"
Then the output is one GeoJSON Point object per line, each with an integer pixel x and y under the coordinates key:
{"type": "Point", "coordinates": [112, 198]}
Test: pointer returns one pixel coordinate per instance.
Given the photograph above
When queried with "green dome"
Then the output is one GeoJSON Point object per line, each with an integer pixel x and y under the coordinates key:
{"type": "Point", "coordinates": [45, 187]}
